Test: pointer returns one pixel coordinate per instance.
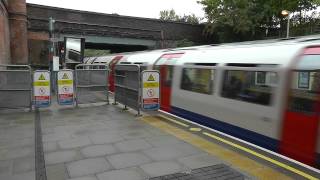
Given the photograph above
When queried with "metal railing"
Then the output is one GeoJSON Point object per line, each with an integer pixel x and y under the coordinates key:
{"type": "Point", "coordinates": [91, 83]}
{"type": "Point", "coordinates": [128, 86]}
{"type": "Point", "coordinates": [15, 87]}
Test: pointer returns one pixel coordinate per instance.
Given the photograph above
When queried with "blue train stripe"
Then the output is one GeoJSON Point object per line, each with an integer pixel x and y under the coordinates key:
{"type": "Point", "coordinates": [247, 135]}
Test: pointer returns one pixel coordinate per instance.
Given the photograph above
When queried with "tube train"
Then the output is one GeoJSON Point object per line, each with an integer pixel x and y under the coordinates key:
{"type": "Point", "coordinates": [266, 93]}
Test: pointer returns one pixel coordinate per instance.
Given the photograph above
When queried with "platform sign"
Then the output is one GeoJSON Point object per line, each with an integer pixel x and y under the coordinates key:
{"type": "Point", "coordinates": [65, 87]}
{"type": "Point", "coordinates": [150, 90]}
{"type": "Point", "coordinates": [41, 88]}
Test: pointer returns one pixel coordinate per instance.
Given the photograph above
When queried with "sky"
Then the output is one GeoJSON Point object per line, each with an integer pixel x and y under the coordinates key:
{"type": "Point", "coordinates": [138, 8]}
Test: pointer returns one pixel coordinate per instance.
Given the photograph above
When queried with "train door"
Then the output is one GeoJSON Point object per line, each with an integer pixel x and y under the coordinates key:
{"type": "Point", "coordinates": [301, 118]}
{"type": "Point", "coordinates": [112, 65]}
{"type": "Point", "coordinates": [165, 66]}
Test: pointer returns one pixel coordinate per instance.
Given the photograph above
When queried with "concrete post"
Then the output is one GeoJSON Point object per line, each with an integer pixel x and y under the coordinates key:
{"type": "Point", "coordinates": [18, 31]}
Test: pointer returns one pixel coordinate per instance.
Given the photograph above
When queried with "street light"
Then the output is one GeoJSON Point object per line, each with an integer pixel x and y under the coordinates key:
{"type": "Point", "coordinates": [286, 13]}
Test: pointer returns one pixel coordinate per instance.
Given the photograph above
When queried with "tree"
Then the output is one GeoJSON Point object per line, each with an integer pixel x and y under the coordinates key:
{"type": "Point", "coordinates": [170, 15]}
{"type": "Point", "coordinates": [184, 43]}
{"type": "Point", "coordinates": [95, 52]}
{"type": "Point", "coordinates": [237, 20]}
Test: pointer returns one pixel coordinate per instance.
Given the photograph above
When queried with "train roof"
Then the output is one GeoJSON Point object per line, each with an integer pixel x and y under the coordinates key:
{"type": "Point", "coordinates": [275, 53]}
{"type": "Point", "coordinates": [150, 57]}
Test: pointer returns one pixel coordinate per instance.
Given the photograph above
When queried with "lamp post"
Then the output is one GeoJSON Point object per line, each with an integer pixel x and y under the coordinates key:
{"type": "Point", "coordinates": [286, 13]}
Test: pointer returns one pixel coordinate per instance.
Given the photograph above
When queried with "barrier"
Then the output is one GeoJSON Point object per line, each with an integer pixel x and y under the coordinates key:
{"type": "Point", "coordinates": [65, 88]}
{"type": "Point", "coordinates": [41, 88]}
{"type": "Point", "coordinates": [128, 86]}
{"type": "Point", "coordinates": [15, 86]}
{"type": "Point", "coordinates": [91, 83]}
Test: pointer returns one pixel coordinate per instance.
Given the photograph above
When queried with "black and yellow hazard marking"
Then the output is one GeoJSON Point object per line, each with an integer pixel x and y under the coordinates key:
{"type": "Point", "coordinates": [42, 78]}
{"type": "Point", "coordinates": [65, 76]}
{"type": "Point", "coordinates": [151, 78]}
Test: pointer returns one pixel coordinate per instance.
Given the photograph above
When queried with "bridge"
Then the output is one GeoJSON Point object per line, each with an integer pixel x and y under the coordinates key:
{"type": "Point", "coordinates": [107, 31]}
{"type": "Point", "coordinates": [24, 31]}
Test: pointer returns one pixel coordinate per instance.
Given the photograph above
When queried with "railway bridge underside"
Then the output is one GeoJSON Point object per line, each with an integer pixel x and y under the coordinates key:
{"type": "Point", "coordinates": [104, 31]}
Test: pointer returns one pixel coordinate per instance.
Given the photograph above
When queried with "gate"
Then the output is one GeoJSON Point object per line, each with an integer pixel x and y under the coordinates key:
{"type": "Point", "coordinates": [128, 86]}
{"type": "Point", "coordinates": [15, 87]}
{"type": "Point", "coordinates": [91, 83]}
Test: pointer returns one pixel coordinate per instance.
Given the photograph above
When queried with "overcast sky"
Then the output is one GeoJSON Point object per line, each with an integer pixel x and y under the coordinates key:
{"type": "Point", "coordinates": [138, 8]}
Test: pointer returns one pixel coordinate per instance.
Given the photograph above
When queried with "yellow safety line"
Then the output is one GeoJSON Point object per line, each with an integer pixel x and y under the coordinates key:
{"type": "Point", "coordinates": [289, 168]}
{"type": "Point", "coordinates": [174, 121]}
{"type": "Point", "coordinates": [232, 157]}
{"type": "Point", "coordinates": [195, 129]}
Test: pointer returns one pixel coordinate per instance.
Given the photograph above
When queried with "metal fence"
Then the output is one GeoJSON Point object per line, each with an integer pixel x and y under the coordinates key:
{"type": "Point", "coordinates": [15, 87]}
{"type": "Point", "coordinates": [128, 86]}
{"type": "Point", "coordinates": [91, 83]}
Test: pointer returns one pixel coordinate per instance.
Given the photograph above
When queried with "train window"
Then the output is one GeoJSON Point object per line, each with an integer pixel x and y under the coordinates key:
{"type": "Point", "coordinates": [251, 65]}
{"type": "Point", "coordinates": [197, 80]}
{"type": "Point", "coordinates": [305, 86]}
{"type": "Point", "coordinates": [250, 86]}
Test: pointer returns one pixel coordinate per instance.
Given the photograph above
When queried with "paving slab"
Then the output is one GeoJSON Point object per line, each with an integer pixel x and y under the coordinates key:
{"type": "Point", "coordinates": [23, 165]}
{"type": "Point", "coordinates": [74, 143]}
{"type": "Point", "coordinates": [98, 150]}
{"type": "Point", "coordinates": [124, 160]}
{"type": "Point", "coordinates": [6, 167]}
{"type": "Point", "coordinates": [87, 167]}
{"type": "Point", "coordinates": [57, 172]}
{"type": "Point", "coordinates": [102, 142]}
{"type": "Point", "coordinates": [105, 138]}
{"type": "Point", "coordinates": [163, 140]}
{"type": "Point", "coordinates": [132, 145]}
{"type": "Point", "coordinates": [85, 178]}
{"type": "Point", "coordinates": [50, 146]}
{"type": "Point", "coordinates": [17, 145]}
{"type": "Point", "coordinates": [61, 156]}
{"type": "Point", "coordinates": [199, 161]}
{"type": "Point", "coordinates": [162, 168]}
{"type": "Point", "coordinates": [171, 152]}
{"type": "Point", "coordinates": [24, 176]}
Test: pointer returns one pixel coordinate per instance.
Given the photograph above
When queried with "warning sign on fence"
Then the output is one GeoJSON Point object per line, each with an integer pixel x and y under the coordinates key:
{"type": "Point", "coordinates": [65, 87]}
{"type": "Point", "coordinates": [41, 88]}
{"type": "Point", "coordinates": [150, 90]}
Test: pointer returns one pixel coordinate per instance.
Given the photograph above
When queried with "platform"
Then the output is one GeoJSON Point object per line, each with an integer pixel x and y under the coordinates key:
{"type": "Point", "coordinates": [105, 143]}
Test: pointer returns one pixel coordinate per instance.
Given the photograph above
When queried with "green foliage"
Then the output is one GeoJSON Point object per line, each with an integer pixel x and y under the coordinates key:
{"type": "Point", "coordinates": [95, 52]}
{"type": "Point", "coordinates": [184, 43]}
{"type": "Point", "coordinates": [170, 15]}
{"type": "Point", "coordinates": [236, 20]}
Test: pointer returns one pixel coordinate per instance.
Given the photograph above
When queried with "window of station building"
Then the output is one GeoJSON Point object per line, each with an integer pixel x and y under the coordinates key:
{"type": "Point", "coordinates": [250, 86]}
{"type": "Point", "coordinates": [197, 80]}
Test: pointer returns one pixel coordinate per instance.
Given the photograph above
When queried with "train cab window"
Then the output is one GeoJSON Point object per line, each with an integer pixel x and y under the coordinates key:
{"type": "Point", "coordinates": [305, 86]}
{"type": "Point", "coordinates": [197, 80]}
{"type": "Point", "coordinates": [250, 86]}
{"type": "Point", "coordinates": [165, 66]}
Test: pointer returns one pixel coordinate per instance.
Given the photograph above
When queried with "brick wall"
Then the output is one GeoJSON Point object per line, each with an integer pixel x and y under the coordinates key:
{"type": "Point", "coordinates": [4, 34]}
{"type": "Point", "coordinates": [143, 28]}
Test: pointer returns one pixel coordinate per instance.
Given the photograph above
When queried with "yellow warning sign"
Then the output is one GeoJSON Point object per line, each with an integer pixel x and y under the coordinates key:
{"type": "Point", "coordinates": [41, 83]}
{"type": "Point", "coordinates": [151, 78]}
{"type": "Point", "coordinates": [42, 78]}
{"type": "Point", "coordinates": [150, 85]}
{"type": "Point", "coordinates": [65, 76]}
{"type": "Point", "coordinates": [65, 82]}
